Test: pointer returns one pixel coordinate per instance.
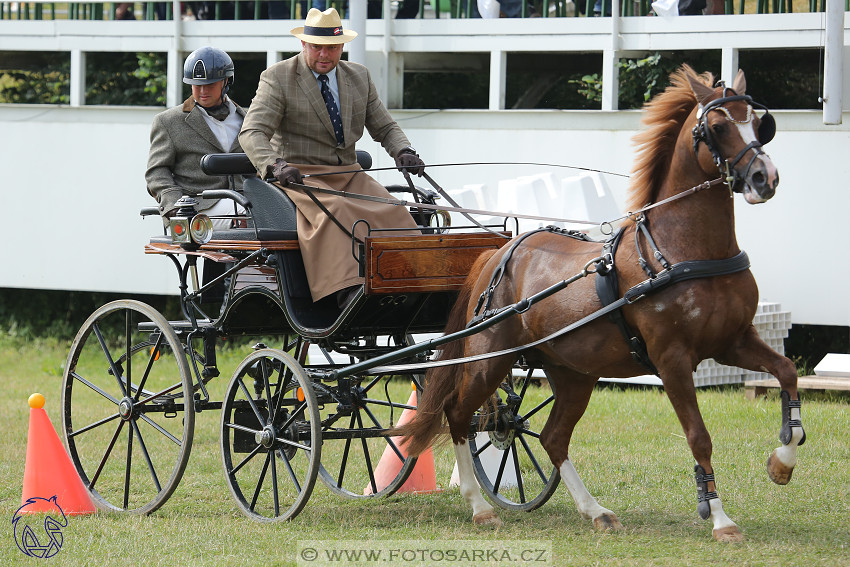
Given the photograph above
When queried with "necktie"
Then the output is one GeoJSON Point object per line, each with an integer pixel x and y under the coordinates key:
{"type": "Point", "coordinates": [333, 111]}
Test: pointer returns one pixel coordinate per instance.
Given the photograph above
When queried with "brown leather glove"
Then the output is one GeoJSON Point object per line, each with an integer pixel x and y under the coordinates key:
{"type": "Point", "coordinates": [285, 173]}
{"type": "Point", "coordinates": [408, 159]}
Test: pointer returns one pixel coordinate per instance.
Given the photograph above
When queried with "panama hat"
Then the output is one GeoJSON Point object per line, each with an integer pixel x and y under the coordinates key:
{"type": "Point", "coordinates": [323, 28]}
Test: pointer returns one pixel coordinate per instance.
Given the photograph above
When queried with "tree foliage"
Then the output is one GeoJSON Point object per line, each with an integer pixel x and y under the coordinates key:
{"type": "Point", "coordinates": [134, 79]}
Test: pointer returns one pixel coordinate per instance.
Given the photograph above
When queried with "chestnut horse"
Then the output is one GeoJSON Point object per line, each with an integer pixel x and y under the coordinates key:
{"type": "Point", "coordinates": [693, 133]}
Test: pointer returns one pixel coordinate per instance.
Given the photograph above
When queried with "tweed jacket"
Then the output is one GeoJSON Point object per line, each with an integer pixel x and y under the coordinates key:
{"type": "Point", "coordinates": [179, 138]}
{"type": "Point", "coordinates": [288, 117]}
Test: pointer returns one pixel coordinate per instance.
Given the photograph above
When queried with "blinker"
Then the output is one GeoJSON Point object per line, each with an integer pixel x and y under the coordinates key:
{"type": "Point", "coordinates": [767, 128]}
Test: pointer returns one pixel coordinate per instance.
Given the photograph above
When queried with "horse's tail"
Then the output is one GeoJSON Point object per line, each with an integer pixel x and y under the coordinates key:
{"type": "Point", "coordinates": [442, 382]}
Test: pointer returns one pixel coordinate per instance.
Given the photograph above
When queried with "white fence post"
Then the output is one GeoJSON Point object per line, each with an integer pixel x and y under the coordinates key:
{"type": "Point", "coordinates": [833, 62]}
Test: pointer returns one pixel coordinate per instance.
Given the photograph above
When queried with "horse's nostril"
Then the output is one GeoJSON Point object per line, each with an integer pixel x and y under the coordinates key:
{"type": "Point", "coordinates": [758, 179]}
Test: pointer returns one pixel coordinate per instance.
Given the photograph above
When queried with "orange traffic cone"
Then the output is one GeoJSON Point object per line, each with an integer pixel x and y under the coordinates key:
{"type": "Point", "coordinates": [423, 478]}
{"type": "Point", "coordinates": [49, 470]}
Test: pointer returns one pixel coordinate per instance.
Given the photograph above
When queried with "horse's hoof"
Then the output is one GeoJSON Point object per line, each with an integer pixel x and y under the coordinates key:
{"type": "Point", "coordinates": [778, 472]}
{"type": "Point", "coordinates": [607, 522]}
{"type": "Point", "coordinates": [730, 534]}
{"type": "Point", "coordinates": [488, 518]}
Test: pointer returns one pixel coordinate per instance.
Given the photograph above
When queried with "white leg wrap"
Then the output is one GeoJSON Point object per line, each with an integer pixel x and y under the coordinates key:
{"type": "Point", "coordinates": [586, 504]}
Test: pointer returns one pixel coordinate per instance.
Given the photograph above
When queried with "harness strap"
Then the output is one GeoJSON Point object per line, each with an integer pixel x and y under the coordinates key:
{"type": "Point", "coordinates": [641, 228]}
{"type": "Point", "coordinates": [677, 273]}
{"type": "Point", "coordinates": [608, 291]}
{"type": "Point", "coordinates": [486, 296]}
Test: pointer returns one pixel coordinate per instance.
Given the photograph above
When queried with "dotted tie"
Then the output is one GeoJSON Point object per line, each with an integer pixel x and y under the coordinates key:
{"type": "Point", "coordinates": [333, 111]}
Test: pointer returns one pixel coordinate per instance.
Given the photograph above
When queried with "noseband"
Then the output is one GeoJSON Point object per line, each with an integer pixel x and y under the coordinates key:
{"type": "Point", "coordinates": [702, 133]}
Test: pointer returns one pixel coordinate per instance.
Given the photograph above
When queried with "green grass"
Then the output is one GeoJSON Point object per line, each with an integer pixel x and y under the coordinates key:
{"type": "Point", "coordinates": [629, 450]}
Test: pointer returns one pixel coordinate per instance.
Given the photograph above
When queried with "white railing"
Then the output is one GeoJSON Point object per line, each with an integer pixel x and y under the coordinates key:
{"type": "Point", "coordinates": [388, 43]}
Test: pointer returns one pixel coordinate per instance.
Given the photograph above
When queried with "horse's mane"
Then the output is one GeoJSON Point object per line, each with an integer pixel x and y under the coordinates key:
{"type": "Point", "coordinates": [663, 118]}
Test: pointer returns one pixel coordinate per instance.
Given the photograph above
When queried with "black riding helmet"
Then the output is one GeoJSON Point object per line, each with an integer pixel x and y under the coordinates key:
{"type": "Point", "coordinates": [208, 65]}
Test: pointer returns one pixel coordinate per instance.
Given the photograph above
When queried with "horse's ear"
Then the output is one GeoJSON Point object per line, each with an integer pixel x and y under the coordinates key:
{"type": "Point", "coordinates": [739, 85]}
{"type": "Point", "coordinates": [703, 92]}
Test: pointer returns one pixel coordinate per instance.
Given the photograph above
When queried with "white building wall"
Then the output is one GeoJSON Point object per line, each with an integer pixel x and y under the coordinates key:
{"type": "Point", "coordinates": [73, 184]}
{"type": "Point", "coordinates": [73, 176]}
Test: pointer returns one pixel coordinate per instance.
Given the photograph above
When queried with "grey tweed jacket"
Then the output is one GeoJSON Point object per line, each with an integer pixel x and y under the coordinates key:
{"type": "Point", "coordinates": [179, 138]}
{"type": "Point", "coordinates": [288, 117]}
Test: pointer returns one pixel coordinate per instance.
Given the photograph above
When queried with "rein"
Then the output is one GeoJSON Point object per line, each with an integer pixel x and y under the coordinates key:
{"type": "Point", "coordinates": [468, 163]}
{"type": "Point", "coordinates": [308, 189]}
{"type": "Point", "coordinates": [682, 271]}
{"type": "Point", "coordinates": [404, 203]}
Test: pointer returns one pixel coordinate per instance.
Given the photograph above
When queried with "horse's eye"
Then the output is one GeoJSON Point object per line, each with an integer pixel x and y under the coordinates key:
{"type": "Point", "coordinates": [718, 128]}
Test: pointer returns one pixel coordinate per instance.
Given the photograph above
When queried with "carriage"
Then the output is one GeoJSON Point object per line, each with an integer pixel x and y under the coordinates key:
{"type": "Point", "coordinates": [292, 412]}
{"type": "Point", "coordinates": [134, 381]}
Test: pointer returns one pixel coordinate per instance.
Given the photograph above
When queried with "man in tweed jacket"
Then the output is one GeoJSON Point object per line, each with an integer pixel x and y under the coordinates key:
{"type": "Point", "coordinates": [207, 122]}
{"type": "Point", "coordinates": [288, 130]}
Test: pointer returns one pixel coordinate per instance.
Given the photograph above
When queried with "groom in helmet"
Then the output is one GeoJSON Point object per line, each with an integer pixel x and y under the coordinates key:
{"type": "Point", "coordinates": [207, 122]}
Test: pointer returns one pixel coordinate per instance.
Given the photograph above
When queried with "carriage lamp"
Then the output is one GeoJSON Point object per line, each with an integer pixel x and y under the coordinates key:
{"type": "Point", "coordinates": [201, 228]}
{"type": "Point", "coordinates": [189, 228]}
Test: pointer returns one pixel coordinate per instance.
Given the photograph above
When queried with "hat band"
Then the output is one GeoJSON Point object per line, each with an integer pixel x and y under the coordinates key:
{"type": "Point", "coordinates": [311, 30]}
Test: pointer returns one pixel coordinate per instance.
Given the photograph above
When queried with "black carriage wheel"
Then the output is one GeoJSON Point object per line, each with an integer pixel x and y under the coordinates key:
{"type": "Point", "coordinates": [509, 463]}
{"type": "Point", "coordinates": [125, 422]}
{"type": "Point", "coordinates": [271, 441]}
{"type": "Point", "coordinates": [359, 460]}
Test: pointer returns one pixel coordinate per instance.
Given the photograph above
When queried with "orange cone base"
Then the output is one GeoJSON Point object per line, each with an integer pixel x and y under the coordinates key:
{"type": "Point", "coordinates": [49, 472]}
{"type": "Point", "coordinates": [423, 478]}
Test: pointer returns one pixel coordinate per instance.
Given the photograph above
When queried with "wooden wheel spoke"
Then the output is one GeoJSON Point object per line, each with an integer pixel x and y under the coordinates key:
{"type": "Point", "coordinates": [344, 463]}
{"type": "Point", "coordinates": [498, 482]}
{"type": "Point", "coordinates": [533, 460]}
{"type": "Point", "coordinates": [269, 457]}
{"type": "Point", "coordinates": [106, 454]}
{"type": "Point", "coordinates": [147, 456]}
{"type": "Point", "coordinates": [518, 471]}
{"type": "Point", "coordinates": [245, 461]}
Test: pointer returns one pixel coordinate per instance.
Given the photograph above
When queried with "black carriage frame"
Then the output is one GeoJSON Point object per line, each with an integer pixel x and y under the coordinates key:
{"type": "Point", "coordinates": [277, 411]}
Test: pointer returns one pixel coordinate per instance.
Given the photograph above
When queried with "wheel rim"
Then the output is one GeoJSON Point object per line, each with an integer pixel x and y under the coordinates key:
{"type": "Point", "coordinates": [125, 423]}
{"type": "Point", "coordinates": [509, 463]}
{"type": "Point", "coordinates": [270, 451]}
{"type": "Point", "coordinates": [358, 461]}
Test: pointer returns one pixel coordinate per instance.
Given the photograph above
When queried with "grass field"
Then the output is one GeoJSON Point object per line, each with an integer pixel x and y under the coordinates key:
{"type": "Point", "coordinates": [629, 450]}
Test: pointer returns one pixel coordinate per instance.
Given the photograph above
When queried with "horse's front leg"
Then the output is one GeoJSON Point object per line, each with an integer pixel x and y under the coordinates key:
{"type": "Point", "coordinates": [679, 385]}
{"type": "Point", "coordinates": [752, 353]}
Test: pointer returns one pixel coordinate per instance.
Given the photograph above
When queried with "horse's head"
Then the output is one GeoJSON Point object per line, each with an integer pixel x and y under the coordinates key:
{"type": "Point", "coordinates": [729, 128]}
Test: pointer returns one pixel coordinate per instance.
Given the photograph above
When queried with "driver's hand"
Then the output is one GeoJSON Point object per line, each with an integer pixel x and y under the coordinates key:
{"type": "Point", "coordinates": [285, 173]}
{"type": "Point", "coordinates": [410, 161]}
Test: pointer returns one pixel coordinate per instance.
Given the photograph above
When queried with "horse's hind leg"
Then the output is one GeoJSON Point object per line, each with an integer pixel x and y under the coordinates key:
{"type": "Point", "coordinates": [752, 353]}
{"type": "Point", "coordinates": [572, 394]}
{"type": "Point", "coordinates": [479, 381]}
{"type": "Point", "coordinates": [482, 512]}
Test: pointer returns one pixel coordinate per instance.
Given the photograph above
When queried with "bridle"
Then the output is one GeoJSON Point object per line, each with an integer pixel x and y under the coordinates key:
{"type": "Point", "coordinates": [702, 134]}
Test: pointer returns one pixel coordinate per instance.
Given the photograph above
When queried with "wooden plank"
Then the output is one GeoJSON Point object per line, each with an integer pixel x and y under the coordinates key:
{"type": "Point", "coordinates": [217, 249]}
{"type": "Point", "coordinates": [424, 263]}
{"type": "Point", "coordinates": [250, 245]}
{"type": "Point", "coordinates": [256, 276]}
{"type": "Point", "coordinates": [757, 388]}
{"type": "Point", "coordinates": [168, 248]}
